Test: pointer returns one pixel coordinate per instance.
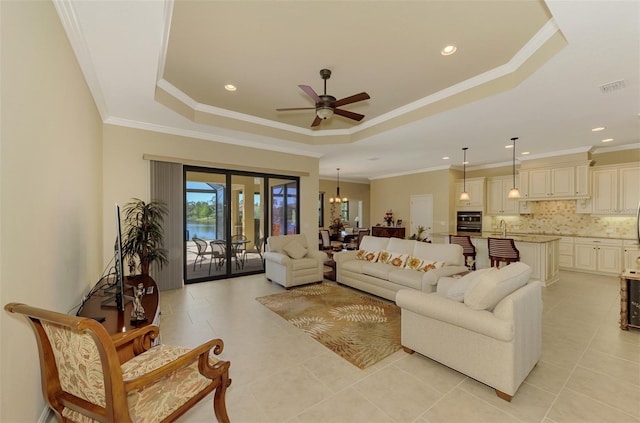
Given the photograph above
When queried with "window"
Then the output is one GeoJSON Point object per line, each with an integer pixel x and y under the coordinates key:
{"type": "Point", "coordinates": [344, 211]}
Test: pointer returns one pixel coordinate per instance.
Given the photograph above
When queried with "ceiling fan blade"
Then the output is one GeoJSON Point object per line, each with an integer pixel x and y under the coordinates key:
{"type": "Point", "coordinates": [307, 89]}
{"type": "Point", "coordinates": [351, 99]}
{"type": "Point", "coordinates": [294, 108]}
{"type": "Point", "coordinates": [316, 122]}
{"type": "Point", "coordinates": [347, 114]}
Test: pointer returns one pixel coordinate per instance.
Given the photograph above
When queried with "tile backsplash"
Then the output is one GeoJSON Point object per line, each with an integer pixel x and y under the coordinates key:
{"type": "Point", "coordinates": [560, 218]}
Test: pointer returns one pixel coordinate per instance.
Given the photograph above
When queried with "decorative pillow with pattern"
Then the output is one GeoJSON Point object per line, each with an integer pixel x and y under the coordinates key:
{"type": "Point", "coordinates": [414, 263]}
{"type": "Point", "coordinates": [360, 254]}
{"type": "Point", "coordinates": [431, 265]}
{"type": "Point", "coordinates": [394, 259]}
{"type": "Point", "coordinates": [371, 256]}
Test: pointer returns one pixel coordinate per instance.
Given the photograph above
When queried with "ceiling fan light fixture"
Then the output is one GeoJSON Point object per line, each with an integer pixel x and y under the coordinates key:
{"type": "Point", "coordinates": [324, 112]}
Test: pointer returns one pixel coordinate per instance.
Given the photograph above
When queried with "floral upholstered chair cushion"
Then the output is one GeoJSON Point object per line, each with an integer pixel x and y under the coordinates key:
{"type": "Point", "coordinates": [80, 372]}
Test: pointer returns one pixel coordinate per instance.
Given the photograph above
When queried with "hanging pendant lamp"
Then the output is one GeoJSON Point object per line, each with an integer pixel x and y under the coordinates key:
{"type": "Point", "coordinates": [337, 198]}
{"type": "Point", "coordinates": [514, 193]}
{"type": "Point", "coordinates": [464, 196]}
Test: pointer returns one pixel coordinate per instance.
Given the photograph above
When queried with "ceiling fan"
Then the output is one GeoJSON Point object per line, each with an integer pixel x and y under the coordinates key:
{"type": "Point", "coordinates": [327, 105]}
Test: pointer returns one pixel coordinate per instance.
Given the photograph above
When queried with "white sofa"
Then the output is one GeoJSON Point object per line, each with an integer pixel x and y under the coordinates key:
{"type": "Point", "coordinates": [384, 279]}
{"type": "Point", "coordinates": [290, 262]}
{"type": "Point", "coordinates": [487, 325]}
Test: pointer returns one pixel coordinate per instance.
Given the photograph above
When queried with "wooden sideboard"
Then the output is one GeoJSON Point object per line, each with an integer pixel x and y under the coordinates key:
{"type": "Point", "coordinates": [388, 231]}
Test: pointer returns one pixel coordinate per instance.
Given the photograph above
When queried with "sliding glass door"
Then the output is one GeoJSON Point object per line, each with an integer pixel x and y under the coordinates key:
{"type": "Point", "coordinates": [227, 220]}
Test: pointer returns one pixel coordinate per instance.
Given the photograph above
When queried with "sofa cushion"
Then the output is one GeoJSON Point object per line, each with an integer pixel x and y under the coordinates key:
{"type": "Point", "coordinates": [378, 270]}
{"type": "Point", "coordinates": [459, 286]}
{"type": "Point", "coordinates": [399, 245]}
{"type": "Point", "coordinates": [449, 253]}
{"type": "Point", "coordinates": [414, 263]}
{"type": "Point", "coordinates": [373, 243]}
{"type": "Point", "coordinates": [304, 263]}
{"type": "Point", "coordinates": [295, 250]}
{"type": "Point", "coordinates": [353, 265]}
{"type": "Point", "coordinates": [407, 277]}
{"type": "Point", "coordinates": [491, 287]}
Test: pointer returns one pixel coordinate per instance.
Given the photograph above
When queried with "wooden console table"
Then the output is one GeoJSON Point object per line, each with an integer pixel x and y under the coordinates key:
{"type": "Point", "coordinates": [388, 231]}
{"type": "Point", "coordinates": [117, 321]}
{"type": "Point", "coordinates": [627, 280]}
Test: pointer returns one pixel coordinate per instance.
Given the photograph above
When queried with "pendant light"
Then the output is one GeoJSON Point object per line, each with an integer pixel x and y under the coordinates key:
{"type": "Point", "coordinates": [464, 196]}
{"type": "Point", "coordinates": [514, 193]}
{"type": "Point", "coordinates": [337, 198]}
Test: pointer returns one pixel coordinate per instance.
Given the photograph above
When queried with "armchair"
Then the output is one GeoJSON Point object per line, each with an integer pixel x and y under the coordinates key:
{"type": "Point", "coordinates": [289, 261]}
{"type": "Point", "coordinates": [88, 375]}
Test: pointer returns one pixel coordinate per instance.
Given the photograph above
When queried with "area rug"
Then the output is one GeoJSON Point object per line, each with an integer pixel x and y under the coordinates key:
{"type": "Point", "coordinates": [360, 328]}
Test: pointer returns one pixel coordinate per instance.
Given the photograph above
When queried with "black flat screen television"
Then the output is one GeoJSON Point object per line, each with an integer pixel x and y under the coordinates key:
{"type": "Point", "coordinates": [119, 288]}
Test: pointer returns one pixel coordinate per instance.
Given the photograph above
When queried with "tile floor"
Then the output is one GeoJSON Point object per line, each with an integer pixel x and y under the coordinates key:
{"type": "Point", "coordinates": [589, 370]}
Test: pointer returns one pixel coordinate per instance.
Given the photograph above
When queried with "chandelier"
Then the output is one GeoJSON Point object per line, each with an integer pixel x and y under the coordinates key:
{"type": "Point", "coordinates": [337, 198]}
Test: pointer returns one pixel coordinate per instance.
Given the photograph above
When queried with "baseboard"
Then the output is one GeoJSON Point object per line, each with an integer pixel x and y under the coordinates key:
{"type": "Point", "coordinates": [45, 415]}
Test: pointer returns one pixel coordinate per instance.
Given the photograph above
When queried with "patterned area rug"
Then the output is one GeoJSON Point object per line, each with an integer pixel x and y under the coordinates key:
{"type": "Point", "coordinates": [360, 328]}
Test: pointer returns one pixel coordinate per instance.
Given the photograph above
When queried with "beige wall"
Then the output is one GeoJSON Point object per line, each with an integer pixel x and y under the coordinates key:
{"type": "Point", "coordinates": [354, 192]}
{"type": "Point", "coordinates": [126, 173]}
{"type": "Point", "coordinates": [394, 193]}
{"type": "Point", "coordinates": [50, 185]}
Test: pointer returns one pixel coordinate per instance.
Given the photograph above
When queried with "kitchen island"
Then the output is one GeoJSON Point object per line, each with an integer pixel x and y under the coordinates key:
{"type": "Point", "coordinates": [541, 252]}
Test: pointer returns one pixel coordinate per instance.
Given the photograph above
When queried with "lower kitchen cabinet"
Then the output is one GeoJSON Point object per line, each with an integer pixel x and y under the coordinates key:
{"type": "Point", "coordinates": [598, 255]}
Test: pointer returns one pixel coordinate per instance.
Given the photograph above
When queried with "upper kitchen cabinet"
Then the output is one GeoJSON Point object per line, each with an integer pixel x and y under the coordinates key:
{"type": "Point", "coordinates": [498, 202]}
{"type": "Point", "coordinates": [555, 183]}
{"type": "Point", "coordinates": [475, 188]}
{"type": "Point", "coordinates": [616, 190]}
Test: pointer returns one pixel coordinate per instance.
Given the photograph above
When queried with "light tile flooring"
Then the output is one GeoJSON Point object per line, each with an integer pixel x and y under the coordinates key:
{"type": "Point", "coordinates": [589, 370]}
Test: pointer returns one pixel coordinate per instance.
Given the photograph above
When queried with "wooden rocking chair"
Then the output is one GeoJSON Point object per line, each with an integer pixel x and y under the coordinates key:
{"type": "Point", "coordinates": [88, 375]}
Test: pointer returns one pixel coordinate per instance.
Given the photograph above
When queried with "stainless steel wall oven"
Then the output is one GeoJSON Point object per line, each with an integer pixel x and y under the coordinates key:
{"type": "Point", "coordinates": [469, 221]}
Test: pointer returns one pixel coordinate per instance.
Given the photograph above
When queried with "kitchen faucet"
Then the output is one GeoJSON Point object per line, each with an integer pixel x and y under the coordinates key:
{"type": "Point", "coordinates": [503, 226]}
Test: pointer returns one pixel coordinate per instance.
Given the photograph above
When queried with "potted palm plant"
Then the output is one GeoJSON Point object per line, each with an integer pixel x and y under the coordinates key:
{"type": "Point", "coordinates": [143, 234]}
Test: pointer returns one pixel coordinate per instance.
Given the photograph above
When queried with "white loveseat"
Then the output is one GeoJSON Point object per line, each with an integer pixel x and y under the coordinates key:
{"type": "Point", "coordinates": [290, 262]}
{"type": "Point", "coordinates": [423, 265]}
{"type": "Point", "coordinates": [487, 325]}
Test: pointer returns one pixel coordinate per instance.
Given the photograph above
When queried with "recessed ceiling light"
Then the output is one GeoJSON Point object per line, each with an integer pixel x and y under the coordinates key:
{"type": "Point", "coordinates": [608, 140]}
{"type": "Point", "coordinates": [524, 153]}
{"type": "Point", "coordinates": [446, 158]}
{"type": "Point", "coordinates": [599, 128]}
{"type": "Point", "coordinates": [230, 87]}
{"type": "Point", "coordinates": [448, 50]}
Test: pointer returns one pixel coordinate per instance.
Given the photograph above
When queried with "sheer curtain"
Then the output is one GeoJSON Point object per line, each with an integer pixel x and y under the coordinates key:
{"type": "Point", "coordinates": [167, 185]}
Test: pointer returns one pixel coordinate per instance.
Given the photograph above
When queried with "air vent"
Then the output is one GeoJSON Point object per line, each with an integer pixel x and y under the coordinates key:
{"type": "Point", "coordinates": [612, 86]}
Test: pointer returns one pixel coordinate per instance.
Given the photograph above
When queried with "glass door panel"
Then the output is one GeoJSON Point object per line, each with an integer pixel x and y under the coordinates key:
{"type": "Point", "coordinates": [247, 224]}
{"type": "Point", "coordinates": [284, 206]}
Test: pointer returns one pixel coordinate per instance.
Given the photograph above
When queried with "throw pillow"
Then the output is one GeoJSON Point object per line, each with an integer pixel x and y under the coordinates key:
{"type": "Point", "coordinates": [494, 286]}
{"type": "Point", "coordinates": [360, 254]}
{"type": "Point", "coordinates": [414, 263]}
{"type": "Point", "coordinates": [384, 256]}
{"type": "Point", "coordinates": [397, 259]}
{"type": "Point", "coordinates": [460, 286]}
{"type": "Point", "coordinates": [295, 250]}
{"type": "Point", "coordinates": [431, 265]}
{"type": "Point", "coordinates": [370, 256]}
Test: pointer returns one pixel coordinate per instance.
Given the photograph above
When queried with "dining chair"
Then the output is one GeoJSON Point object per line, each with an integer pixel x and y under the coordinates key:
{"type": "Point", "coordinates": [238, 248]}
{"type": "Point", "coordinates": [89, 375]}
{"type": "Point", "coordinates": [326, 239]}
{"type": "Point", "coordinates": [468, 249]}
{"type": "Point", "coordinates": [218, 255]}
{"type": "Point", "coordinates": [257, 248]}
{"type": "Point", "coordinates": [201, 245]}
{"type": "Point", "coordinates": [502, 250]}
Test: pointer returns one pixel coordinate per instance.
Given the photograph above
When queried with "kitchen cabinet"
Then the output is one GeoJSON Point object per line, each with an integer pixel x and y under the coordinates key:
{"type": "Point", "coordinates": [498, 202]}
{"type": "Point", "coordinates": [598, 255]}
{"type": "Point", "coordinates": [557, 182]}
{"type": "Point", "coordinates": [616, 190]}
{"type": "Point", "coordinates": [475, 188]}
{"type": "Point", "coordinates": [565, 250]}
{"type": "Point", "coordinates": [631, 251]}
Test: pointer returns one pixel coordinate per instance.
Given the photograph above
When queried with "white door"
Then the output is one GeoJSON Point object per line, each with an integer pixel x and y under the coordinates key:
{"type": "Point", "coordinates": [421, 213]}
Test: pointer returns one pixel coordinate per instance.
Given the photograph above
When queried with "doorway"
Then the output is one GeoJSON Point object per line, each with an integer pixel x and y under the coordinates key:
{"type": "Point", "coordinates": [228, 216]}
{"type": "Point", "coordinates": [421, 213]}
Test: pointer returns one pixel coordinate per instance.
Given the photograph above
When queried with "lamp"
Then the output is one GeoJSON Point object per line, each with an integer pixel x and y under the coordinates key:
{"type": "Point", "coordinates": [464, 196]}
{"type": "Point", "coordinates": [514, 194]}
{"type": "Point", "coordinates": [337, 198]}
{"type": "Point", "coordinates": [324, 112]}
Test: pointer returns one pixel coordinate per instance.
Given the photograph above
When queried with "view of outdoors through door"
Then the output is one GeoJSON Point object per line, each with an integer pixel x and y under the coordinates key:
{"type": "Point", "coordinates": [227, 220]}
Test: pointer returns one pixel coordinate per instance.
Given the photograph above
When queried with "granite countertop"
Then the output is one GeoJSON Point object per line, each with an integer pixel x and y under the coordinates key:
{"type": "Point", "coordinates": [515, 237]}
